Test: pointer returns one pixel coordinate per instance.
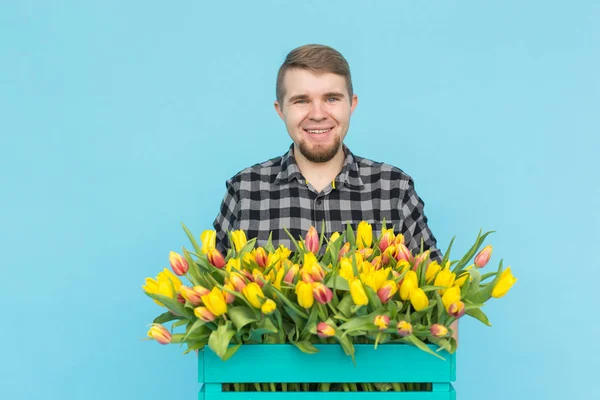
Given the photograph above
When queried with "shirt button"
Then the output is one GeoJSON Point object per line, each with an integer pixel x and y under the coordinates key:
{"type": "Point", "coordinates": [319, 201]}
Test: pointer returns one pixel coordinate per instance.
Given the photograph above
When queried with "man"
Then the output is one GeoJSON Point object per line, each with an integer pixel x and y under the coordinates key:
{"type": "Point", "coordinates": [319, 179]}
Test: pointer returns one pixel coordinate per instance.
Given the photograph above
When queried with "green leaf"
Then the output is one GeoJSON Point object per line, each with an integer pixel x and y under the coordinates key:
{"type": "Point", "coordinates": [191, 237]}
{"type": "Point", "coordinates": [467, 257]}
{"type": "Point", "coordinates": [337, 282]}
{"type": "Point", "coordinates": [231, 351]}
{"type": "Point", "coordinates": [484, 295]}
{"type": "Point", "coordinates": [242, 316]}
{"type": "Point", "coordinates": [478, 314]}
{"type": "Point", "coordinates": [290, 304]}
{"type": "Point", "coordinates": [194, 346]}
{"type": "Point", "coordinates": [172, 304]}
{"type": "Point", "coordinates": [311, 323]}
{"type": "Point", "coordinates": [195, 327]}
{"type": "Point", "coordinates": [165, 317]}
{"type": "Point", "coordinates": [350, 235]}
{"type": "Point", "coordinates": [345, 306]}
{"type": "Point", "coordinates": [219, 339]}
{"type": "Point", "coordinates": [181, 322]}
{"type": "Point", "coordinates": [447, 253]}
{"type": "Point", "coordinates": [306, 347]}
{"type": "Point", "coordinates": [414, 340]}
{"type": "Point", "coordinates": [360, 323]}
{"type": "Point", "coordinates": [374, 300]}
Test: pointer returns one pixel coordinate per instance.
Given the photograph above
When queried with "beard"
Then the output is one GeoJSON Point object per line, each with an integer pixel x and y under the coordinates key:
{"type": "Point", "coordinates": [320, 153]}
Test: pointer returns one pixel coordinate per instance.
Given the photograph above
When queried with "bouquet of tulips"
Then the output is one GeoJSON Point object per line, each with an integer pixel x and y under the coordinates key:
{"type": "Point", "coordinates": [349, 288]}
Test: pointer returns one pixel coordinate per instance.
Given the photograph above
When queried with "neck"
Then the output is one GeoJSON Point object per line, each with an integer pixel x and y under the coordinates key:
{"type": "Point", "coordinates": [320, 174]}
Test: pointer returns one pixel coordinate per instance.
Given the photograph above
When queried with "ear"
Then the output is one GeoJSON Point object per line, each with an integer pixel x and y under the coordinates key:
{"type": "Point", "coordinates": [354, 103]}
{"type": "Point", "coordinates": [278, 109]}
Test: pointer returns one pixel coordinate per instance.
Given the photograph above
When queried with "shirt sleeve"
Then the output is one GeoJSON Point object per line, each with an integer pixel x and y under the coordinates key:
{"type": "Point", "coordinates": [415, 226]}
{"type": "Point", "coordinates": [227, 217]}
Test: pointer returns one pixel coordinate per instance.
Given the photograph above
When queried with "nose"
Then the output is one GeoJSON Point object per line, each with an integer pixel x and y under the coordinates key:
{"type": "Point", "coordinates": [317, 111]}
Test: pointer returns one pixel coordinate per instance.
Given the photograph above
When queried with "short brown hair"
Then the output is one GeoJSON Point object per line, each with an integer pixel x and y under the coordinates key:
{"type": "Point", "coordinates": [317, 58]}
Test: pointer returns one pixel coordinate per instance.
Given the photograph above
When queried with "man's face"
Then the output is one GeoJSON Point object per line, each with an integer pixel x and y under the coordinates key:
{"type": "Point", "coordinates": [316, 110]}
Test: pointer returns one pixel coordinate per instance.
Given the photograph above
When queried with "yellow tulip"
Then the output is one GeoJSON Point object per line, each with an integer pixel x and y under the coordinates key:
{"type": "Point", "coordinates": [204, 314]}
{"type": "Point", "coordinates": [452, 295]}
{"type": "Point", "coordinates": [324, 330]}
{"type": "Point", "coordinates": [402, 266]}
{"type": "Point", "coordinates": [444, 278]}
{"type": "Point", "coordinates": [432, 269]}
{"type": "Point", "coordinates": [260, 256]}
{"type": "Point", "coordinates": [253, 294]}
{"type": "Point", "coordinates": [364, 235]}
{"type": "Point", "coordinates": [304, 292]}
{"type": "Point", "coordinates": [404, 328]}
{"type": "Point", "coordinates": [418, 299]}
{"type": "Point", "coordinates": [233, 264]}
{"type": "Point", "coordinates": [239, 239]}
{"type": "Point", "coordinates": [215, 302]}
{"type": "Point", "coordinates": [283, 252]}
{"type": "Point", "coordinates": [438, 330]}
{"type": "Point", "coordinates": [357, 291]}
{"type": "Point", "coordinates": [346, 270]}
{"type": "Point", "coordinates": [387, 290]}
{"type": "Point", "coordinates": [409, 283]}
{"type": "Point", "coordinates": [209, 239]}
{"type": "Point", "coordinates": [268, 306]}
{"type": "Point", "coordinates": [504, 284]}
{"type": "Point", "coordinates": [312, 240]}
{"type": "Point", "coordinates": [166, 284]}
{"type": "Point", "coordinates": [178, 263]}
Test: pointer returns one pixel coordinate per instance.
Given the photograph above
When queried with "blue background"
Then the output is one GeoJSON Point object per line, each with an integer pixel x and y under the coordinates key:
{"type": "Point", "coordinates": [119, 120]}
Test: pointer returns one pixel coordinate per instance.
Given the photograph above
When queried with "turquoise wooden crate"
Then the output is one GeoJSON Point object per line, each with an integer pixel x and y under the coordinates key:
{"type": "Point", "coordinates": [285, 363]}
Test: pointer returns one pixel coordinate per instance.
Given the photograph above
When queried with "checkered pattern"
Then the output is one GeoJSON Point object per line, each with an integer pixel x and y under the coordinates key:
{"type": "Point", "coordinates": [272, 195]}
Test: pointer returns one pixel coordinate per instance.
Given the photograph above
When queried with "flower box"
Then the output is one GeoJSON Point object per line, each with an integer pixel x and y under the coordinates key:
{"type": "Point", "coordinates": [285, 363]}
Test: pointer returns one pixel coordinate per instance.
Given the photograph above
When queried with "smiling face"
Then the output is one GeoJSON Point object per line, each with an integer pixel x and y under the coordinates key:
{"type": "Point", "coordinates": [316, 110]}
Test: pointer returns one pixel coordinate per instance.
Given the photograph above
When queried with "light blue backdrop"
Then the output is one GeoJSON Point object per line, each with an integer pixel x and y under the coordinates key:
{"type": "Point", "coordinates": [119, 120]}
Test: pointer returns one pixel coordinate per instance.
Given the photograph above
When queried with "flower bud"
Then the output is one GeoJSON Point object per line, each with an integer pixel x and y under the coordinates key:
{"type": "Point", "coordinates": [376, 262]}
{"type": "Point", "coordinates": [382, 322]}
{"type": "Point", "coordinates": [204, 314]}
{"type": "Point", "coordinates": [239, 283]}
{"type": "Point", "coordinates": [312, 240]}
{"type": "Point", "coordinates": [322, 293]}
{"type": "Point", "coordinates": [253, 293]}
{"type": "Point", "coordinates": [419, 259]}
{"type": "Point", "coordinates": [399, 239]}
{"type": "Point", "coordinates": [444, 278]}
{"type": "Point", "coordinates": [404, 328]}
{"type": "Point", "coordinates": [357, 291]}
{"type": "Point", "coordinates": [324, 330]}
{"type": "Point", "coordinates": [482, 258]}
{"type": "Point", "coordinates": [260, 256]}
{"type": "Point", "coordinates": [438, 330]}
{"type": "Point", "coordinates": [366, 252]}
{"type": "Point", "coordinates": [344, 250]}
{"type": "Point", "coordinates": [291, 274]}
{"type": "Point", "coordinates": [418, 299]}
{"type": "Point", "coordinates": [258, 277]}
{"type": "Point", "coordinates": [191, 295]}
{"type": "Point", "coordinates": [403, 253]}
{"type": "Point", "coordinates": [215, 258]}
{"type": "Point", "coordinates": [457, 309]}
{"type": "Point", "coordinates": [229, 297]}
{"type": "Point", "coordinates": [239, 240]}
{"type": "Point", "coordinates": [178, 263]}
{"type": "Point", "coordinates": [386, 240]}
{"type": "Point", "coordinates": [268, 306]}
{"type": "Point", "coordinates": [304, 293]}
{"type": "Point", "coordinates": [215, 302]}
{"type": "Point", "coordinates": [364, 235]}
{"type": "Point", "coordinates": [387, 291]}
{"type": "Point", "coordinates": [432, 269]}
{"type": "Point", "coordinates": [504, 284]}
{"type": "Point", "coordinates": [180, 298]}
{"type": "Point", "coordinates": [209, 239]}
{"type": "Point", "coordinates": [160, 334]}
{"type": "Point", "coordinates": [452, 295]}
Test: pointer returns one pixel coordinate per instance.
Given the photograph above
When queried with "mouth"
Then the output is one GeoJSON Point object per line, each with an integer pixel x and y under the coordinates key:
{"type": "Point", "coordinates": [317, 132]}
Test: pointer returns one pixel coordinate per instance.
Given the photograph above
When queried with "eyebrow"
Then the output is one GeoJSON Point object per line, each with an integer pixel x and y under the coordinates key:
{"type": "Point", "coordinates": [304, 97]}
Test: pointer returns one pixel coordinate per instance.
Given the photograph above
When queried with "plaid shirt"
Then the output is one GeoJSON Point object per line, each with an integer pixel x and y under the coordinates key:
{"type": "Point", "coordinates": [269, 196]}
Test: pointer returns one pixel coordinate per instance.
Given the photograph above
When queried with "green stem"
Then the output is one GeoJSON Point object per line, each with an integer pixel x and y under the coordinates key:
{"type": "Point", "coordinates": [257, 387]}
{"type": "Point", "coordinates": [397, 387]}
{"type": "Point", "coordinates": [273, 388]}
{"type": "Point", "coordinates": [236, 387]}
{"type": "Point", "coordinates": [265, 387]}
{"type": "Point", "coordinates": [354, 387]}
{"type": "Point", "coordinates": [284, 387]}
{"type": "Point", "coordinates": [325, 387]}
{"type": "Point", "coordinates": [345, 387]}
{"type": "Point", "coordinates": [305, 387]}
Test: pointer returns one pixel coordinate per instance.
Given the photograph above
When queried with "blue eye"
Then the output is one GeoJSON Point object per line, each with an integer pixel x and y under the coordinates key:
{"type": "Point", "coordinates": [332, 99]}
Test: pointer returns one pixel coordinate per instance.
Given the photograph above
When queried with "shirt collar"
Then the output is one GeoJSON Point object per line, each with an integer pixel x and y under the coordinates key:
{"type": "Point", "coordinates": [349, 176]}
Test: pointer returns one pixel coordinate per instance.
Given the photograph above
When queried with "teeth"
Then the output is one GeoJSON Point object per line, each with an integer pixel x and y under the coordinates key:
{"type": "Point", "coordinates": [318, 131]}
